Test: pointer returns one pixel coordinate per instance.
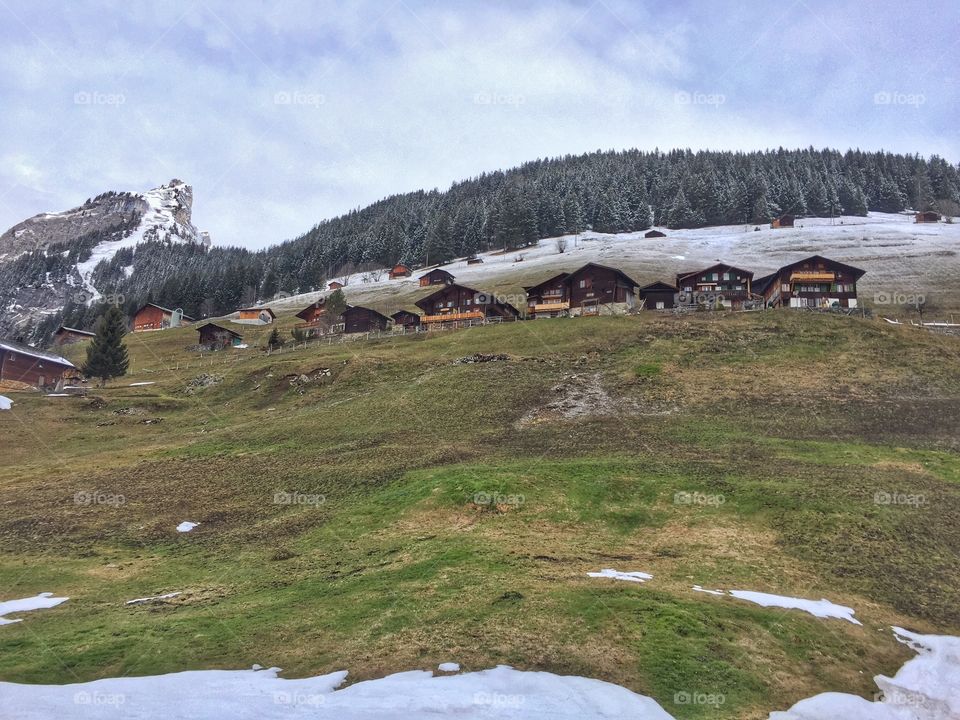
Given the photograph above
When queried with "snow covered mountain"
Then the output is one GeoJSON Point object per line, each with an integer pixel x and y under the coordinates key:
{"type": "Point", "coordinates": [50, 259]}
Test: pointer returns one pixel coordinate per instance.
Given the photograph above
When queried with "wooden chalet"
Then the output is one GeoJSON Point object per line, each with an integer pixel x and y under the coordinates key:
{"type": "Point", "coordinates": [405, 319]}
{"type": "Point", "coordinates": [814, 282]}
{"type": "Point", "coordinates": [654, 234]}
{"type": "Point", "coordinates": [475, 261]}
{"type": "Point", "coordinates": [154, 317]}
{"type": "Point", "coordinates": [357, 319]}
{"type": "Point", "coordinates": [456, 303]}
{"type": "Point", "coordinates": [334, 285]}
{"type": "Point", "coordinates": [927, 216]}
{"type": "Point", "coordinates": [589, 290]}
{"type": "Point", "coordinates": [213, 336]}
{"type": "Point", "coordinates": [719, 285]}
{"type": "Point", "coordinates": [67, 336]}
{"type": "Point", "coordinates": [256, 316]}
{"type": "Point", "coordinates": [658, 296]}
{"type": "Point", "coordinates": [400, 271]}
{"type": "Point", "coordinates": [24, 366]}
{"type": "Point", "coordinates": [782, 221]}
{"type": "Point", "coordinates": [436, 277]}
{"type": "Point", "coordinates": [312, 314]}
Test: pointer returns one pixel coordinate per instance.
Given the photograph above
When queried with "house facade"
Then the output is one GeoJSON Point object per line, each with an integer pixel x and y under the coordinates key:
{"type": "Point", "coordinates": [213, 337]}
{"type": "Point", "coordinates": [405, 319]}
{"type": "Point", "coordinates": [24, 366]}
{"type": "Point", "coordinates": [814, 282]}
{"type": "Point", "coordinates": [657, 296]}
{"type": "Point", "coordinates": [592, 289]}
{"type": "Point", "coordinates": [400, 271]}
{"type": "Point", "coordinates": [256, 316]}
{"type": "Point", "coordinates": [718, 286]}
{"type": "Point", "coordinates": [454, 303]}
{"type": "Point", "coordinates": [357, 319]}
{"type": "Point", "coordinates": [782, 221]}
{"type": "Point", "coordinates": [67, 336]}
{"type": "Point", "coordinates": [154, 317]}
{"type": "Point", "coordinates": [436, 277]}
{"type": "Point", "coordinates": [927, 216]}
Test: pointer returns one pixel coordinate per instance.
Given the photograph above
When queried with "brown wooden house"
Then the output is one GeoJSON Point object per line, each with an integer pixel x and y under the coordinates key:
{"type": "Point", "coordinates": [400, 271]}
{"type": "Point", "coordinates": [214, 337]}
{"type": "Point", "coordinates": [654, 234]}
{"type": "Point", "coordinates": [814, 282]}
{"type": "Point", "coordinates": [720, 285]}
{"type": "Point", "coordinates": [334, 285]}
{"type": "Point", "coordinates": [154, 317]}
{"type": "Point", "coordinates": [256, 316]}
{"type": "Point", "coordinates": [782, 221]}
{"type": "Point", "coordinates": [456, 303]}
{"type": "Point", "coordinates": [67, 336]}
{"type": "Point", "coordinates": [406, 319]}
{"type": "Point", "coordinates": [927, 216]}
{"type": "Point", "coordinates": [658, 296]}
{"type": "Point", "coordinates": [312, 314]}
{"type": "Point", "coordinates": [24, 366]}
{"type": "Point", "coordinates": [475, 261]}
{"type": "Point", "coordinates": [592, 289]}
{"type": "Point", "coordinates": [357, 319]}
{"type": "Point", "coordinates": [551, 298]}
{"type": "Point", "coordinates": [436, 277]}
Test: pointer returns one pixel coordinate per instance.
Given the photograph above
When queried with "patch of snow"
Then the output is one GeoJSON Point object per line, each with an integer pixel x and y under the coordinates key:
{"type": "Point", "coordinates": [58, 394]}
{"type": "Point", "coordinates": [5, 403]}
{"type": "Point", "coordinates": [140, 601]}
{"type": "Point", "coordinates": [138, 384]}
{"type": "Point", "coordinates": [638, 577]}
{"type": "Point", "coordinates": [449, 667]}
{"type": "Point", "coordinates": [705, 590]}
{"type": "Point", "coordinates": [820, 608]}
{"type": "Point", "coordinates": [186, 526]}
{"type": "Point", "coordinates": [498, 693]}
{"type": "Point", "coordinates": [38, 602]}
{"type": "Point", "coordinates": [925, 688]}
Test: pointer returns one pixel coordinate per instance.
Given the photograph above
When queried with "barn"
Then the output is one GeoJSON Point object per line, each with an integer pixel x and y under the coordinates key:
{"type": "Point", "coordinates": [155, 317]}
{"type": "Point", "coordinates": [654, 234]}
{"type": "Point", "coordinates": [400, 271]}
{"type": "Point", "coordinates": [475, 261]}
{"type": "Point", "coordinates": [927, 216]}
{"type": "Point", "coordinates": [357, 319]}
{"type": "Point", "coordinates": [256, 316]}
{"type": "Point", "coordinates": [454, 303]}
{"type": "Point", "coordinates": [335, 285]}
{"type": "Point", "coordinates": [24, 366]}
{"type": "Point", "coordinates": [405, 319]}
{"type": "Point", "coordinates": [813, 282]}
{"type": "Point", "coordinates": [658, 296]}
{"type": "Point", "coordinates": [782, 221]}
{"type": "Point", "coordinates": [67, 336]}
{"type": "Point", "coordinates": [718, 286]}
{"type": "Point", "coordinates": [436, 277]}
{"type": "Point", "coordinates": [213, 336]}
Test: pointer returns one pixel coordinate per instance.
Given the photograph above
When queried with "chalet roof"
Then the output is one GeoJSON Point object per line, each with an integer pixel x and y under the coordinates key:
{"type": "Point", "coordinates": [436, 271]}
{"type": "Point", "coordinates": [424, 302]}
{"type": "Point", "coordinates": [761, 284]}
{"type": "Point", "coordinates": [15, 347]}
{"type": "Point", "coordinates": [351, 308]}
{"type": "Point", "coordinates": [312, 306]}
{"type": "Point", "coordinates": [259, 309]}
{"type": "Point", "coordinates": [64, 328]}
{"type": "Point", "coordinates": [559, 276]}
{"type": "Point", "coordinates": [658, 285]}
{"type": "Point", "coordinates": [220, 327]}
{"type": "Point", "coordinates": [718, 266]}
{"type": "Point", "coordinates": [402, 313]}
{"type": "Point", "coordinates": [159, 307]}
{"type": "Point", "coordinates": [623, 276]}
{"type": "Point", "coordinates": [855, 271]}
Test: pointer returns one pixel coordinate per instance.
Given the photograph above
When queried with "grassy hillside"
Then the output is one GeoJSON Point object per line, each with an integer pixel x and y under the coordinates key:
{"type": "Point", "coordinates": [784, 431]}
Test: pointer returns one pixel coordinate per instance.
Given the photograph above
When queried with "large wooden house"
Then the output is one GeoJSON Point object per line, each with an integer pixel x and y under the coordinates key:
{"type": "Point", "coordinates": [312, 314]}
{"type": "Point", "coordinates": [719, 285]}
{"type": "Point", "coordinates": [400, 271]}
{"type": "Point", "coordinates": [455, 303]}
{"type": "Point", "coordinates": [658, 296]}
{"type": "Point", "coordinates": [589, 290]}
{"type": "Point", "coordinates": [64, 335]}
{"type": "Point", "coordinates": [24, 366]}
{"type": "Point", "coordinates": [214, 337]}
{"type": "Point", "coordinates": [154, 317]}
{"type": "Point", "coordinates": [436, 277]}
{"type": "Point", "coordinates": [814, 282]}
{"type": "Point", "coordinates": [357, 319]}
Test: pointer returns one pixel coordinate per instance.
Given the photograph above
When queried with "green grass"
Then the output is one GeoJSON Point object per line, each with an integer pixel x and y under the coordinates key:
{"type": "Point", "coordinates": [451, 527]}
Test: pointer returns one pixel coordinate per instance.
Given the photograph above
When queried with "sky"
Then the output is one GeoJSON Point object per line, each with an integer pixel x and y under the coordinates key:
{"type": "Point", "coordinates": [282, 114]}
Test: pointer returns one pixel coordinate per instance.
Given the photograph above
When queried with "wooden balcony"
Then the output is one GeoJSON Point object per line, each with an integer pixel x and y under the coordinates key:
{"type": "Point", "coordinates": [452, 317]}
{"type": "Point", "coordinates": [812, 276]}
{"type": "Point", "coordinates": [549, 307]}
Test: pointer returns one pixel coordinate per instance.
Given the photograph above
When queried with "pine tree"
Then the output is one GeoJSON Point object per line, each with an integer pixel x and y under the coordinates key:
{"type": "Point", "coordinates": [107, 354]}
{"type": "Point", "coordinates": [335, 305]}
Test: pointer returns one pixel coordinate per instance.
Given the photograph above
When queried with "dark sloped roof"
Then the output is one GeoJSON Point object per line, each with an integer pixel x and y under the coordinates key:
{"type": "Point", "coordinates": [220, 327]}
{"type": "Point", "coordinates": [16, 347]}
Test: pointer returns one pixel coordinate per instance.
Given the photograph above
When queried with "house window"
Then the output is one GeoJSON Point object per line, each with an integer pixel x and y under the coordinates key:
{"type": "Point", "coordinates": [785, 287]}
{"type": "Point", "coordinates": [660, 305]}
{"type": "Point", "coordinates": [715, 276]}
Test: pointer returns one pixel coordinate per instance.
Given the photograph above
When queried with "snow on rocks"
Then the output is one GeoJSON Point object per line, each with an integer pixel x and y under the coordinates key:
{"type": "Point", "coordinates": [500, 692]}
{"type": "Point", "coordinates": [143, 600]}
{"type": "Point", "coordinates": [637, 577]}
{"type": "Point", "coordinates": [449, 667]}
{"type": "Point", "coordinates": [927, 687]}
{"type": "Point", "coordinates": [186, 526]}
{"type": "Point", "coordinates": [5, 403]}
{"type": "Point", "coordinates": [38, 602]}
{"type": "Point", "coordinates": [820, 608]}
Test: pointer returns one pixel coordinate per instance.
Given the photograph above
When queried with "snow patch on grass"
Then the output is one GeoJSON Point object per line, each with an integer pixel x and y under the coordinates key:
{"type": "Point", "coordinates": [38, 602]}
{"type": "Point", "coordinates": [186, 526]}
{"type": "Point", "coordinates": [636, 576]}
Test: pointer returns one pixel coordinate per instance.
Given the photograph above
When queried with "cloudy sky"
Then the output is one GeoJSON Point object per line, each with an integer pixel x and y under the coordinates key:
{"type": "Point", "coordinates": [281, 114]}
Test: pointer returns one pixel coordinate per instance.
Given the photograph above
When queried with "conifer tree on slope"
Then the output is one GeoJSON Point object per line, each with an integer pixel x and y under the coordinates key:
{"type": "Point", "coordinates": [107, 355]}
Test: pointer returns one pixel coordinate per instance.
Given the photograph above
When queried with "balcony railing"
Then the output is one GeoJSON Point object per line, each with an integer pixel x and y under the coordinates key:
{"type": "Point", "coordinates": [452, 316]}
